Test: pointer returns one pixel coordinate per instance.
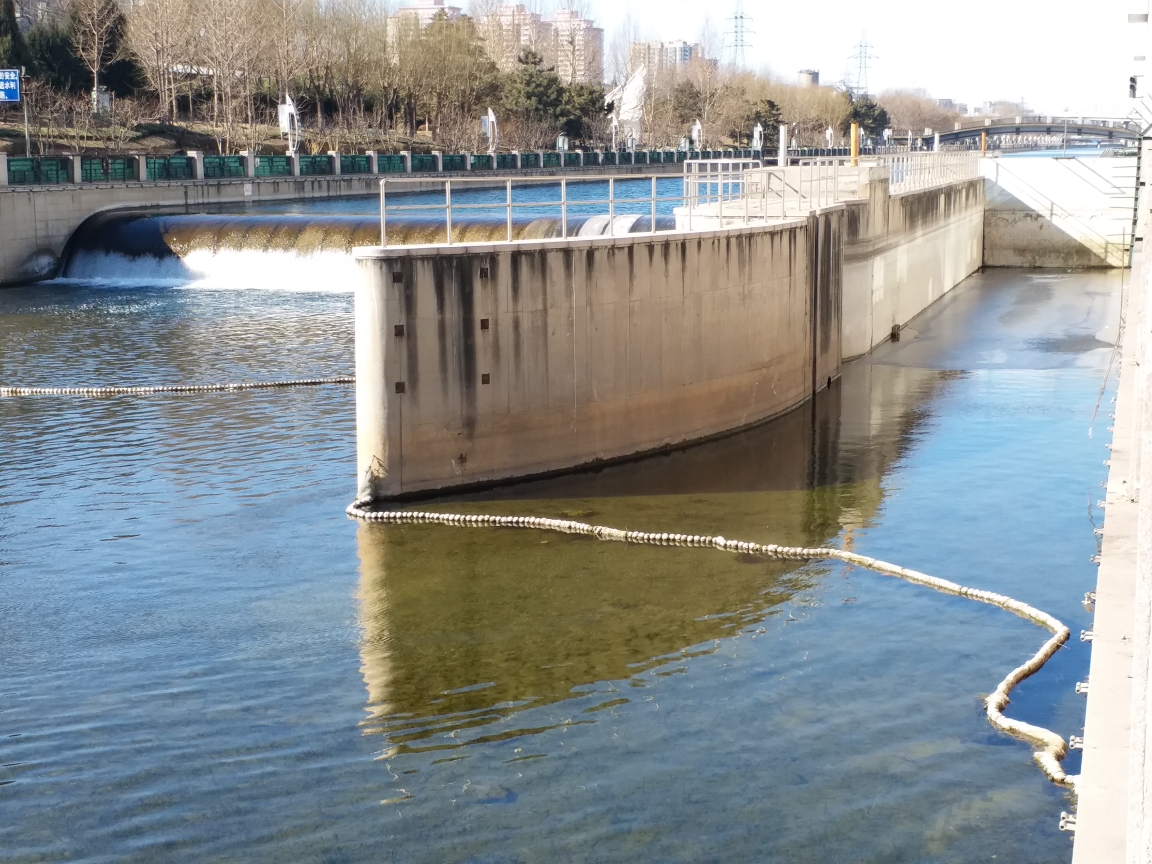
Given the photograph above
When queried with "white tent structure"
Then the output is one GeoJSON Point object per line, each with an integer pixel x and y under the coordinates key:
{"type": "Point", "coordinates": [628, 100]}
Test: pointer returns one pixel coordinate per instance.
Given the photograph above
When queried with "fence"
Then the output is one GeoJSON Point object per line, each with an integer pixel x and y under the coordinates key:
{"type": "Point", "coordinates": [909, 170]}
{"type": "Point", "coordinates": [715, 192]}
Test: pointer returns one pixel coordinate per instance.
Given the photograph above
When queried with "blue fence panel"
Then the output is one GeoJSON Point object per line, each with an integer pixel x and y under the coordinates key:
{"type": "Point", "coordinates": [42, 169]}
{"type": "Point", "coordinates": [354, 163]}
{"type": "Point", "coordinates": [224, 167]}
{"type": "Point", "coordinates": [273, 166]}
{"type": "Point", "coordinates": [312, 166]}
{"type": "Point", "coordinates": [96, 169]}
{"type": "Point", "coordinates": [390, 163]}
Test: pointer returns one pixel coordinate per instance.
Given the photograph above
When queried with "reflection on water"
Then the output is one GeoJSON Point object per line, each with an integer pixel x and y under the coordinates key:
{"type": "Point", "coordinates": [203, 659]}
{"type": "Point", "coordinates": [445, 612]}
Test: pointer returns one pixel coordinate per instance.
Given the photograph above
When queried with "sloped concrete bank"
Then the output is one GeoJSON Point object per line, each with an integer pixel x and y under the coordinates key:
{"type": "Point", "coordinates": [486, 362]}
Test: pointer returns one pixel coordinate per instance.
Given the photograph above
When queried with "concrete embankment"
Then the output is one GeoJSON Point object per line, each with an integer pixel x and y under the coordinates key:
{"type": "Point", "coordinates": [1113, 819]}
{"type": "Point", "coordinates": [36, 221]}
{"type": "Point", "coordinates": [484, 362]}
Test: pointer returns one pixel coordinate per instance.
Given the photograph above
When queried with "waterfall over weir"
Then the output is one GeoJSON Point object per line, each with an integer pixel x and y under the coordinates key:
{"type": "Point", "coordinates": [279, 251]}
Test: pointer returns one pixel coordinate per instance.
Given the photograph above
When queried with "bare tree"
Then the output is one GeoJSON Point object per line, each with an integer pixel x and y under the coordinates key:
{"type": "Point", "coordinates": [160, 34]}
{"type": "Point", "coordinates": [94, 24]}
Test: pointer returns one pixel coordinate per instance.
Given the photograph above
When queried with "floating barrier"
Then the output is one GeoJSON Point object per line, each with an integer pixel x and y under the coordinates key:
{"type": "Point", "coordinates": [170, 388]}
{"type": "Point", "coordinates": [1048, 747]}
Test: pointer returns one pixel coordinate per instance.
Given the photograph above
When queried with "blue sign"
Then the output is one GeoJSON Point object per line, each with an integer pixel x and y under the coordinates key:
{"type": "Point", "coordinates": [9, 85]}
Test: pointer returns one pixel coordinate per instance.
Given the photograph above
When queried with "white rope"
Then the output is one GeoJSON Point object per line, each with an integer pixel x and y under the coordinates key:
{"type": "Point", "coordinates": [169, 388]}
{"type": "Point", "coordinates": [1049, 748]}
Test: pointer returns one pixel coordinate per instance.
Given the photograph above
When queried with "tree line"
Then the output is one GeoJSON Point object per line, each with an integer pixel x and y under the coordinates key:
{"type": "Point", "coordinates": [361, 80]}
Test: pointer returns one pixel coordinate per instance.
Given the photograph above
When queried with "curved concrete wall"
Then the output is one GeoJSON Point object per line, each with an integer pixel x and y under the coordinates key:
{"type": "Point", "coordinates": [478, 363]}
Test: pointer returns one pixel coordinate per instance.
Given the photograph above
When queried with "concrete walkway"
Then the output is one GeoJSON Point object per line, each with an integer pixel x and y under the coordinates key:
{"type": "Point", "coordinates": [1112, 819]}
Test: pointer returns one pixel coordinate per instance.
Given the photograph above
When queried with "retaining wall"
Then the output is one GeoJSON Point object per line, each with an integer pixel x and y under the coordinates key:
{"type": "Point", "coordinates": [904, 252]}
{"type": "Point", "coordinates": [478, 363]}
{"type": "Point", "coordinates": [481, 363]}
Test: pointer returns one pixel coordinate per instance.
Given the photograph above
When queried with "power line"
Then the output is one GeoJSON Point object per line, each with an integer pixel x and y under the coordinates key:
{"type": "Point", "coordinates": [860, 58]}
{"type": "Point", "coordinates": [739, 34]}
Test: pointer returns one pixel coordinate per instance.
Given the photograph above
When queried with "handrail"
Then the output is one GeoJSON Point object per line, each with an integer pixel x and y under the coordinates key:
{"type": "Point", "coordinates": [716, 192]}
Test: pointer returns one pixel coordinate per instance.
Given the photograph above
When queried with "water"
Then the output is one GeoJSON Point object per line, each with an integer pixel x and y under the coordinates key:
{"type": "Point", "coordinates": [306, 245]}
{"type": "Point", "coordinates": [201, 658]}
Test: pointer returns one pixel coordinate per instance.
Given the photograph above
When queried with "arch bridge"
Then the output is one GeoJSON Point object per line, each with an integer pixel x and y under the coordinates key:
{"type": "Point", "coordinates": [1076, 128]}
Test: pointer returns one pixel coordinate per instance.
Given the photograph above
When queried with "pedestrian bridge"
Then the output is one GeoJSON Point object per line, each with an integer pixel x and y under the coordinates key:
{"type": "Point", "coordinates": [1078, 129]}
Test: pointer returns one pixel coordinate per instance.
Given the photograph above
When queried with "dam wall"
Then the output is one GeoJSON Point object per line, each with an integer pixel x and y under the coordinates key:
{"type": "Point", "coordinates": [479, 363]}
{"type": "Point", "coordinates": [36, 221]}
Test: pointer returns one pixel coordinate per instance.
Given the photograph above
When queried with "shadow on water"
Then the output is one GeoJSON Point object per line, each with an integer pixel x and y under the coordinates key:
{"type": "Point", "coordinates": [463, 628]}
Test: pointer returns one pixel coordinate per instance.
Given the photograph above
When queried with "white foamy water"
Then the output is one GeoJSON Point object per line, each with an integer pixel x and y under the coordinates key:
{"type": "Point", "coordinates": [224, 269]}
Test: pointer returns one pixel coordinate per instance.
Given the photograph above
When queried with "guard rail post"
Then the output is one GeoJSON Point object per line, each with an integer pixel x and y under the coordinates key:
{"type": "Point", "coordinates": [294, 158]}
{"type": "Point", "coordinates": [373, 165]}
{"type": "Point", "coordinates": [439, 157]}
{"type": "Point", "coordinates": [334, 155]}
{"type": "Point", "coordinates": [467, 161]}
{"type": "Point", "coordinates": [77, 169]}
{"type": "Point", "coordinates": [407, 154]}
{"type": "Point", "coordinates": [197, 157]}
{"type": "Point", "coordinates": [249, 157]}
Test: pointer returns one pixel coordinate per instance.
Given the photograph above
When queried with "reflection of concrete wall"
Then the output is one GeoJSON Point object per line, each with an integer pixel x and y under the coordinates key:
{"type": "Point", "coordinates": [1057, 212]}
{"type": "Point", "coordinates": [529, 616]}
{"type": "Point", "coordinates": [524, 358]}
{"type": "Point", "coordinates": [902, 253]}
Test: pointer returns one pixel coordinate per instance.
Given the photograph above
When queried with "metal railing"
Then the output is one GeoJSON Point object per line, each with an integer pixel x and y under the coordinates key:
{"type": "Point", "coordinates": [614, 203]}
{"type": "Point", "coordinates": [910, 171]}
{"type": "Point", "coordinates": [715, 193]}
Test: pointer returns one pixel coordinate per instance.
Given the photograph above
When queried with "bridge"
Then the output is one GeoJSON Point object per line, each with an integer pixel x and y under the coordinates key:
{"type": "Point", "coordinates": [1076, 129]}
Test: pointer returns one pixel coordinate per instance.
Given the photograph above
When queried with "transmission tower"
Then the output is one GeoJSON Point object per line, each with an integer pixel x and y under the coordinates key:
{"type": "Point", "coordinates": [739, 34]}
{"type": "Point", "coordinates": [860, 58]}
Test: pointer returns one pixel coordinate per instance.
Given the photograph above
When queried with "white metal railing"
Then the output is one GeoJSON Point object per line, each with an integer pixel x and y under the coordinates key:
{"type": "Point", "coordinates": [565, 203]}
{"type": "Point", "coordinates": [911, 171]}
{"type": "Point", "coordinates": [715, 193]}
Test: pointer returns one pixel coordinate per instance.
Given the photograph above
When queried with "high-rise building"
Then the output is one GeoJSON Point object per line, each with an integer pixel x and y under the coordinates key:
{"type": "Point", "coordinates": [423, 11]}
{"type": "Point", "coordinates": [657, 56]}
{"type": "Point", "coordinates": [510, 30]}
{"type": "Point", "coordinates": [577, 48]}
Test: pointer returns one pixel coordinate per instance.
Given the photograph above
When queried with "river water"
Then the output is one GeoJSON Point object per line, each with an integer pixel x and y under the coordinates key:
{"type": "Point", "coordinates": [202, 658]}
